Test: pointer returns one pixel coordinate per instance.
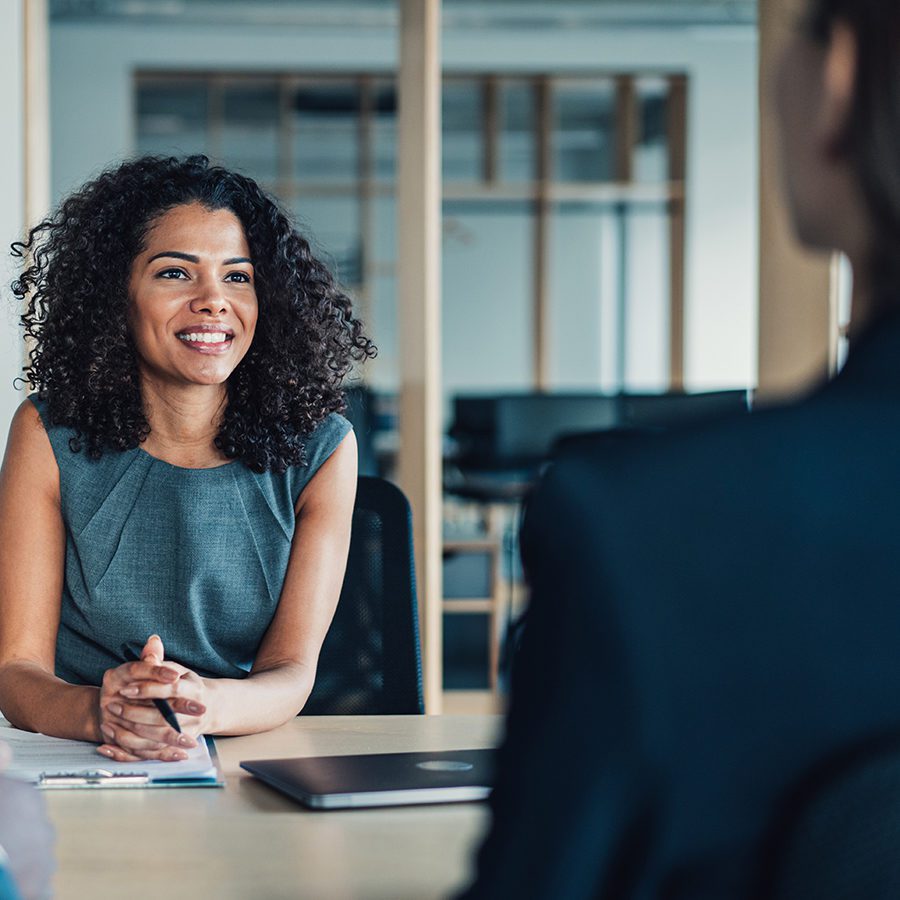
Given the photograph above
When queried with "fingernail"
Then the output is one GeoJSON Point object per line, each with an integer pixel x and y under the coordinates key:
{"type": "Point", "coordinates": [185, 741]}
{"type": "Point", "coordinates": [131, 691]}
{"type": "Point", "coordinates": [195, 707]}
{"type": "Point", "coordinates": [108, 731]}
{"type": "Point", "coordinates": [115, 709]}
{"type": "Point", "coordinates": [106, 751]}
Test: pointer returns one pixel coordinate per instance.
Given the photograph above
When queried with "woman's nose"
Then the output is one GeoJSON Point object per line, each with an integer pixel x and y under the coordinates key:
{"type": "Point", "coordinates": [209, 301]}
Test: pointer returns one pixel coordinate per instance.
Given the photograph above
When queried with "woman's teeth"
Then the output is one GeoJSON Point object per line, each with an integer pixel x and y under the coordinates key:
{"type": "Point", "coordinates": [205, 337]}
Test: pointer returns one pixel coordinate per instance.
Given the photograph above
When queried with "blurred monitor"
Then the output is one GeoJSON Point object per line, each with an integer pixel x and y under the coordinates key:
{"type": "Point", "coordinates": [673, 409]}
{"type": "Point", "coordinates": [507, 431]}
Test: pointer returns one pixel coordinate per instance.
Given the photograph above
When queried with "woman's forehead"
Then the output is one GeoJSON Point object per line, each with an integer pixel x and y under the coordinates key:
{"type": "Point", "coordinates": [197, 230]}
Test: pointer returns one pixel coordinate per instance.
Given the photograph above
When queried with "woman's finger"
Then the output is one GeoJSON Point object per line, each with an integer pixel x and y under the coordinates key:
{"type": "Point", "coordinates": [114, 679]}
{"type": "Point", "coordinates": [153, 649]}
{"type": "Point", "coordinates": [128, 740]}
{"type": "Point", "coordinates": [149, 670]}
{"type": "Point", "coordinates": [114, 752]}
{"type": "Point", "coordinates": [187, 706]}
{"type": "Point", "coordinates": [159, 732]}
{"type": "Point", "coordinates": [144, 690]}
{"type": "Point", "coordinates": [146, 713]}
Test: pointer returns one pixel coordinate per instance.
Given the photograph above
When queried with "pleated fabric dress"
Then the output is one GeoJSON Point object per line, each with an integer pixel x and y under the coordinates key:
{"type": "Point", "coordinates": [197, 556]}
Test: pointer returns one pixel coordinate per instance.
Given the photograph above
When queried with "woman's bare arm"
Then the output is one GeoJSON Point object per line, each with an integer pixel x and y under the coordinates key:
{"type": "Point", "coordinates": [32, 559]}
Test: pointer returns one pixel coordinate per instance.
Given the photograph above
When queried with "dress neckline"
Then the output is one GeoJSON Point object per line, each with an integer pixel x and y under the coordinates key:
{"type": "Point", "coordinates": [191, 469]}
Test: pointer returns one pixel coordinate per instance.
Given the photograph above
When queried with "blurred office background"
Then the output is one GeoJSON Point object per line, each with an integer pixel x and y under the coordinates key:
{"type": "Point", "coordinates": [600, 204]}
{"type": "Point", "coordinates": [564, 120]}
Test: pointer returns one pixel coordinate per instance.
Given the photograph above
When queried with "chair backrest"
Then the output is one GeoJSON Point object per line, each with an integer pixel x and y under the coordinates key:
{"type": "Point", "coordinates": [370, 662]}
{"type": "Point", "coordinates": [837, 834]}
{"type": "Point", "coordinates": [360, 412]}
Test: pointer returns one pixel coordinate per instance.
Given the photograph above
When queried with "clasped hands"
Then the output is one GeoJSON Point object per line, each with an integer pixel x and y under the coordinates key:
{"type": "Point", "coordinates": [131, 725]}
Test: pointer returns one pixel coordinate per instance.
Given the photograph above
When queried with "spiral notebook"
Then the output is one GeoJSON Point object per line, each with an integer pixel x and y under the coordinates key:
{"type": "Point", "coordinates": [49, 763]}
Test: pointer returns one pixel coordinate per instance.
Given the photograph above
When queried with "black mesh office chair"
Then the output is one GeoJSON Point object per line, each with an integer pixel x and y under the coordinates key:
{"type": "Point", "coordinates": [370, 662]}
{"type": "Point", "coordinates": [837, 835]}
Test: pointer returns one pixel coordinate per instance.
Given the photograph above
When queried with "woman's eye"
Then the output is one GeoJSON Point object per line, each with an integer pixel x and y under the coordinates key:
{"type": "Point", "coordinates": [172, 273]}
{"type": "Point", "coordinates": [239, 277]}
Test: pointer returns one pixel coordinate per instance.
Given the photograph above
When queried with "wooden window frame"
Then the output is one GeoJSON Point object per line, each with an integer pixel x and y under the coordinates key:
{"type": "Point", "coordinates": [541, 193]}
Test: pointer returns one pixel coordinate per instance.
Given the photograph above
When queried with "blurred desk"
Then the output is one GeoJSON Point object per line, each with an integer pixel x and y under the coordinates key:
{"type": "Point", "coordinates": [246, 840]}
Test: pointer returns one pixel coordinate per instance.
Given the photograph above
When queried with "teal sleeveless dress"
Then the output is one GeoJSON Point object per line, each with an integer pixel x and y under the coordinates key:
{"type": "Point", "coordinates": [197, 556]}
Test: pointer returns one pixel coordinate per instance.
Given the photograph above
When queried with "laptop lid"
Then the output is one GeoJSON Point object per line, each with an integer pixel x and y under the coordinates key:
{"type": "Point", "coordinates": [380, 779]}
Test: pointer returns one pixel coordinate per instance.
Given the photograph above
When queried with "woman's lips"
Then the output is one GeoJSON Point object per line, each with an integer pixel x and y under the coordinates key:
{"type": "Point", "coordinates": [208, 349]}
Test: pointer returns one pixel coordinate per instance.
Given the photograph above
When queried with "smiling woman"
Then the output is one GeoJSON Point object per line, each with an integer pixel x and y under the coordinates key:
{"type": "Point", "coordinates": [201, 339]}
{"type": "Point", "coordinates": [181, 485]}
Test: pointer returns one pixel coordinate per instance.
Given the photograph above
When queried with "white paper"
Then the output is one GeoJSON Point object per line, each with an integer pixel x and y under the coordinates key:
{"type": "Point", "coordinates": [34, 755]}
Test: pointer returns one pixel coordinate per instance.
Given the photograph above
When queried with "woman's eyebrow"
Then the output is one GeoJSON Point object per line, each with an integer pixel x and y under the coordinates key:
{"type": "Point", "coordinates": [177, 254]}
{"type": "Point", "coordinates": [189, 257]}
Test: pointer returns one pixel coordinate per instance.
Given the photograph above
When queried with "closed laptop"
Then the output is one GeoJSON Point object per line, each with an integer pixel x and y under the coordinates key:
{"type": "Point", "coordinates": [381, 779]}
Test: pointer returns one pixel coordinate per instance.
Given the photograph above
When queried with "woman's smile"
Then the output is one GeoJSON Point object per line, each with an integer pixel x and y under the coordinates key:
{"type": "Point", "coordinates": [207, 339]}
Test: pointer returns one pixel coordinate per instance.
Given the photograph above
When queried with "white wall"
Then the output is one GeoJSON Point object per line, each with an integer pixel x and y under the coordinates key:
{"type": "Point", "coordinates": [12, 207]}
{"type": "Point", "coordinates": [92, 124]}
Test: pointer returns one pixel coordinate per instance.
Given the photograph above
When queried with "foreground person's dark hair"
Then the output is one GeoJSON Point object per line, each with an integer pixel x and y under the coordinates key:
{"type": "Point", "coordinates": [873, 133]}
{"type": "Point", "coordinates": [83, 361]}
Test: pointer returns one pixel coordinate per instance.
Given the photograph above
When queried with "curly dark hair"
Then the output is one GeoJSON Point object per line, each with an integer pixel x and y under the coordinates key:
{"type": "Point", "coordinates": [83, 362]}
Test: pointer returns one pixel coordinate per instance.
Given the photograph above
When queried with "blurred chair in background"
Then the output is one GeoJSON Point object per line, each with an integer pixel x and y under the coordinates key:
{"type": "Point", "coordinates": [502, 442]}
{"type": "Point", "coordinates": [360, 412]}
{"type": "Point", "coordinates": [370, 662]}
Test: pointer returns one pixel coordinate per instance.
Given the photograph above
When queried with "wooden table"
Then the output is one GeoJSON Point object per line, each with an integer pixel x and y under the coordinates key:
{"type": "Point", "coordinates": [247, 842]}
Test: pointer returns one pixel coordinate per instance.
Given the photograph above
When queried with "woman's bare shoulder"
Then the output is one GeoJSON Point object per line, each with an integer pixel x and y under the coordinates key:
{"type": "Point", "coordinates": [27, 426]}
{"type": "Point", "coordinates": [29, 457]}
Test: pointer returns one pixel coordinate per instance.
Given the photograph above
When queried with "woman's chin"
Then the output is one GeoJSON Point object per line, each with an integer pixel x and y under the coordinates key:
{"type": "Point", "coordinates": [209, 376]}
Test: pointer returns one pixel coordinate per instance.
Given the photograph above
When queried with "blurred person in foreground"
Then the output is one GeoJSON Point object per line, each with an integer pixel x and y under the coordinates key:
{"type": "Point", "coordinates": [715, 611]}
{"type": "Point", "coordinates": [26, 840]}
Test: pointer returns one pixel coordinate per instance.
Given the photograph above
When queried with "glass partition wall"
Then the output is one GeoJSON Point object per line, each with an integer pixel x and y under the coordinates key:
{"type": "Point", "coordinates": [563, 245]}
{"type": "Point", "coordinates": [563, 209]}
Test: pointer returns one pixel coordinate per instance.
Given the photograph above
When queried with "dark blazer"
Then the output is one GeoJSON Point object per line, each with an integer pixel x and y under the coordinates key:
{"type": "Point", "coordinates": [712, 611]}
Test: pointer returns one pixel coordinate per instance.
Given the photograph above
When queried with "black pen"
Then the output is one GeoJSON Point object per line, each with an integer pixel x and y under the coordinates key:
{"type": "Point", "coordinates": [162, 705]}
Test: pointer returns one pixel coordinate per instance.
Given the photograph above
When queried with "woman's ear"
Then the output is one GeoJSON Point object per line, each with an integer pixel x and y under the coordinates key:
{"type": "Point", "coordinates": [838, 90]}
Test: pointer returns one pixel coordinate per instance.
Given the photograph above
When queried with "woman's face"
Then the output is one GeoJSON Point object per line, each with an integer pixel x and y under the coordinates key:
{"type": "Point", "coordinates": [193, 305]}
